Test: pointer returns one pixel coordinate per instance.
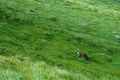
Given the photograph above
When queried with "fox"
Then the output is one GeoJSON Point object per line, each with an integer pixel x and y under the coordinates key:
{"type": "Point", "coordinates": [82, 54]}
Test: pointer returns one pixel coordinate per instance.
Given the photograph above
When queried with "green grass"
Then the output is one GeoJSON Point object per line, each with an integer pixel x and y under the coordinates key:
{"type": "Point", "coordinates": [33, 70]}
{"type": "Point", "coordinates": [48, 32]}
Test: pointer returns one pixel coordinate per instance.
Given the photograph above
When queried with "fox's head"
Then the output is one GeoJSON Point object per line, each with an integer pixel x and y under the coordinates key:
{"type": "Point", "coordinates": [78, 50]}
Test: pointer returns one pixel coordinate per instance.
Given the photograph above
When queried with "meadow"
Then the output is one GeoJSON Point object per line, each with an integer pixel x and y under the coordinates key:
{"type": "Point", "coordinates": [39, 39]}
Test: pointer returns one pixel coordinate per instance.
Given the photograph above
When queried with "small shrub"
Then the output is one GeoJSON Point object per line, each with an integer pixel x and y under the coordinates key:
{"type": "Point", "coordinates": [118, 0]}
{"type": "Point", "coordinates": [5, 51]}
{"type": "Point", "coordinates": [53, 18]}
{"type": "Point", "coordinates": [48, 35]}
{"type": "Point", "coordinates": [59, 31]}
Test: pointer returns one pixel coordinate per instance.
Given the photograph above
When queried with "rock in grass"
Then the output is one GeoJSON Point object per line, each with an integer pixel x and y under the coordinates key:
{"type": "Point", "coordinates": [44, 41]}
{"type": "Point", "coordinates": [117, 36]}
{"type": "Point", "coordinates": [83, 24]}
{"type": "Point", "coordinates": [114, 32]}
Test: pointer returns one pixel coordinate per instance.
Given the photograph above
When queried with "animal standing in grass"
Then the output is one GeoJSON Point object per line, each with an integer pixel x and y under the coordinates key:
{"type": "Point", "coordinates": [82, 54]}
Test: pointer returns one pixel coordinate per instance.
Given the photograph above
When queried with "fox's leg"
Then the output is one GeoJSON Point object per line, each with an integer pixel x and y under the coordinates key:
{"type": "Point", "coordinates": [86, 57]}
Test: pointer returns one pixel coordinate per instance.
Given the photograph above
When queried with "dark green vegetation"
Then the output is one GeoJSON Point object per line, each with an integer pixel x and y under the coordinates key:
{"type": "Point", "coordinates": [38, 39]}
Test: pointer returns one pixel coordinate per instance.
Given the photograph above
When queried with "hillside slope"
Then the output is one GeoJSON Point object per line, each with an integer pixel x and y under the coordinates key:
{"type": "Point", "coordinates": [50, 31]}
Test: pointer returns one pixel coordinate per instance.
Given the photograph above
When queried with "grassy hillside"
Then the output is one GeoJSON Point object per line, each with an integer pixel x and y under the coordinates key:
{"type": "Point", "coordinates": [39, 38]}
